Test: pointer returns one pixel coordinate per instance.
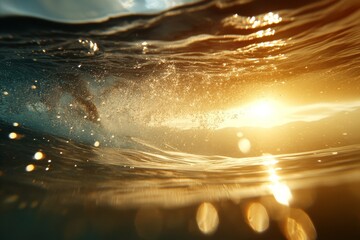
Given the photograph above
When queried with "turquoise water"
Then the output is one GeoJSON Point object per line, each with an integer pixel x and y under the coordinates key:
{"type": "Point", "coordinates": [220, 120]}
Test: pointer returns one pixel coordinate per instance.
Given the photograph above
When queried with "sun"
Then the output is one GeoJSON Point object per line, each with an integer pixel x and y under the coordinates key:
{"type": "Point", "coordinates": [261, 109]}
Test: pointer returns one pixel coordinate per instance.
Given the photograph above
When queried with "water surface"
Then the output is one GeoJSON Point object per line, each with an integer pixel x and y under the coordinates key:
{"type": "Point", "coordinates": [222, 119]}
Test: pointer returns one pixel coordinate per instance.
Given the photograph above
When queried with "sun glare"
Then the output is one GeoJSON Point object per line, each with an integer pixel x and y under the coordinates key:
{"type": "Point", "coordinates": [260, 113]}
{"type": "Point", "coordinates": [261, 109]}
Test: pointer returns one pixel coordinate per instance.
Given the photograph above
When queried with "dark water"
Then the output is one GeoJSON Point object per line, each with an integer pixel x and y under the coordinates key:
{"type": "Point", "coordinates": [217, 120]}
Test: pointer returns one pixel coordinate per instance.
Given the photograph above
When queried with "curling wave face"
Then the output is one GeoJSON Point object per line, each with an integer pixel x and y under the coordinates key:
{"type": "Point", "coordinates": [68, 11]}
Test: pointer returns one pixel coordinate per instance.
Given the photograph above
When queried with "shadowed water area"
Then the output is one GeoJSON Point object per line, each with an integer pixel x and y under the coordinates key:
{"type": "Point", "coordinates": [212, 120]}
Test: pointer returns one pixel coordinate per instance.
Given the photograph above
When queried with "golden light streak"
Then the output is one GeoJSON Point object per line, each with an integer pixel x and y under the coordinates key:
{"type": "Point", "coordinates": [279, 189]}
{"type": "Point", "coordinates": [264, 113]}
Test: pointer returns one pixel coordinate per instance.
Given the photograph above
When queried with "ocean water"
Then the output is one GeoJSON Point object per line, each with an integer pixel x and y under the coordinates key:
{"type": "Point", "coordinates": [211, 120]}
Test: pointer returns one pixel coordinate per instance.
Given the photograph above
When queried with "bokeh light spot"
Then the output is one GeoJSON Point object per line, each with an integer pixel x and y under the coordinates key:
{"type": "Point", "coordinates": [13, 135]}
{"type": "Point", "coordinates": [244, 145]}
{"type": "Point", "coordinates": [257, 217]}
{"type": "Point", "coordinates": [30, 168]}
{"type": "Point", "coordinates": [207, 218]}
{"type": "Point", "coordinates": [39, 155]}
{"type": "Point", "coordinates": [298, 226]}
